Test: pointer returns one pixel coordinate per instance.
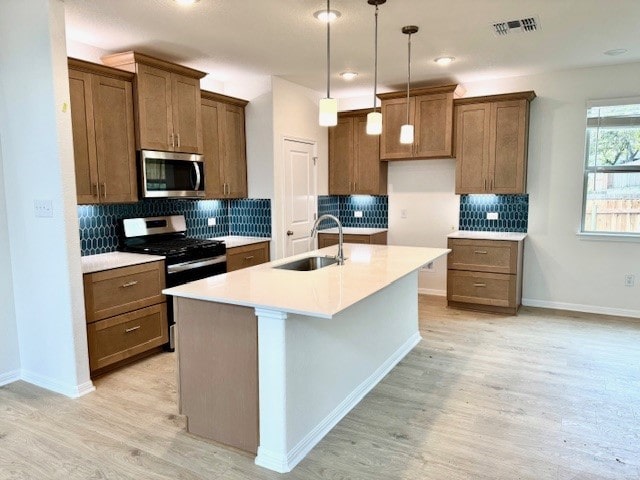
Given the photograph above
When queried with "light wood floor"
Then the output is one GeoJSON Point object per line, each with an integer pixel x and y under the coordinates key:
{"type": "Point", "coordinates": [538, 396]}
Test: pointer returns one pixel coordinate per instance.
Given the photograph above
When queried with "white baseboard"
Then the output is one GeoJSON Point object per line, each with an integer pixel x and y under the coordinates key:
{"type": "Point", "coordinates": [282, 464]}
{"type": "Point", "coordinates": [9, 377]}
{"type": "Point", "coordinates": [71, 391]}
{"type": "Point", "coordinates": [433, 292]}
{"type": "Point", "coordinates": [576, 307]}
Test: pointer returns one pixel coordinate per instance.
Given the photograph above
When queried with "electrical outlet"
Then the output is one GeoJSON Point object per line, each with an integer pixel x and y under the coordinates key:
{"type": "Point", "coordinates": [43, 208]}
{"type": "Point", "coordinates": [357, 214]}
{"type": "Point", "coordinates": [403, 213]}
{"type": "Point", "coordinates": [211, 222]}
{"type": "Point", "coordinates": [629, 280]}
{"type": "Point", "coordinates": [492, 216]}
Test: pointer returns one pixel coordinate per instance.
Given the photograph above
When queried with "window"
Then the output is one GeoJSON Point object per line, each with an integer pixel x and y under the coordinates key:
{"type": "Point", "coordinates": [612, 168]}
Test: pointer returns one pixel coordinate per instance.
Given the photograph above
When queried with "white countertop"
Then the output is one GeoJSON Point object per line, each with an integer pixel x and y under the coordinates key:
{"type": "Point", "coordinates": [232, 241]}
{"type": "Point", "coordinates": [354, 230]}
{"type": "Point", "coordinates": [320, 293]}
{"type": "Point", "coordinates": [474, 235]}
{"type": "Point", "coordinates": [107, 261]}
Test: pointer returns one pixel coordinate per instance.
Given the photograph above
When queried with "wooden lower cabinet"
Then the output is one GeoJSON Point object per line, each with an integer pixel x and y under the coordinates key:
{"type": "Point", "coordinates": [123, 336]}
{"type": "Point", "coordinates": [126, 314]}
{"type": "Point", "coordinates": [247, 256]}
{"type": "Point", "coordinates": [485, 275]}
{"type": "Point", "coordinates": [328, 239]}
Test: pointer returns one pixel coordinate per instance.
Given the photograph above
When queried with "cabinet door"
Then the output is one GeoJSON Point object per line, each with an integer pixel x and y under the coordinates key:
{"type": "Point", "coordinates": [433, 125]}
{"type": "Point", "coordinates": [234, 157]}
{"type": "Point", "coordinates": [115, 147]}
{"type": "Point", "coordinates": [472, 149]}
{"type": "Point", "coordinates": [84, 147]}
{"type": "Point", "coordinates": [508, 154]}
{"type": "Point", "coordinates": [212, 149]}
{"type": "Point", "coordinates": [155, 120]}
{"type": "Point", "coordinates": [394, 115]}
{"type": "Point", "coordinates": [341, 157]}
{"type": "Point", "coordinates": [187, 117]}
{"type": "Point", "coordinates": [370, 174]}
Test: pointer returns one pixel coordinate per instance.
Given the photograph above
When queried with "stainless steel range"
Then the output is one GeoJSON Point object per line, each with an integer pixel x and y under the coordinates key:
{"type": "Point", "coordinates": [186, 259]}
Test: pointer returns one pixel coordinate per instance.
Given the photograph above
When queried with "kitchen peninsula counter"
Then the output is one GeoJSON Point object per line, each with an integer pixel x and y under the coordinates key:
{"type": "Point", "coordinates": [270, 360]}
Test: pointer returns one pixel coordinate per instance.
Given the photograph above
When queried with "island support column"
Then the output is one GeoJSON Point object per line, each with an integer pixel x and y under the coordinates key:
{"type": "Point", "coordinates": [272, 449]}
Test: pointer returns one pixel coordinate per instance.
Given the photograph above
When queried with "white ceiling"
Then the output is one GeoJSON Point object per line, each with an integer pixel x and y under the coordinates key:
{"type": "Point", "coordinates": [240, 40]}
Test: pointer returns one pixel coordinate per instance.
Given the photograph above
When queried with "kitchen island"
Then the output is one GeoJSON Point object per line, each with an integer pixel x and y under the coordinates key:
{"type": "Point", "coordinates": [269, 360]}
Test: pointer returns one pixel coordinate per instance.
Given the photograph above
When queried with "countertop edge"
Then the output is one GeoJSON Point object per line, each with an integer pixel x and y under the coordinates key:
{"type": "Point", "coordinates": [111, 260]}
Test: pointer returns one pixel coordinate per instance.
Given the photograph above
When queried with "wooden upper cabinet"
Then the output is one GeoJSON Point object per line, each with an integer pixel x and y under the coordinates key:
{"type": "Point", "coordinates": [102, 121]}
{"type": "Point", "coordinates": [341, 141]}
{"type": "Point", "coordinates": [491, 143]}
{"type": "Point", "coordinates": [167, 99]}
{"type": "Point", "coordinates": [431, 114]}
{"type": "Point", "coordinates": [224, 143]}
{"type": "Point", "coordinates": [354, 157]}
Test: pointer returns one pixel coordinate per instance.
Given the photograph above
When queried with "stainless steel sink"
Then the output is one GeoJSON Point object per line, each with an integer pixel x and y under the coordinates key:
{"type": "Point", "coordinates": [308, 263]}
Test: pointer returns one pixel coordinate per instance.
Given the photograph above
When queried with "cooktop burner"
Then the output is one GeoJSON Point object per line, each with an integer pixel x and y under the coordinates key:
{"type": "Point", "coordinates": [166, 236]}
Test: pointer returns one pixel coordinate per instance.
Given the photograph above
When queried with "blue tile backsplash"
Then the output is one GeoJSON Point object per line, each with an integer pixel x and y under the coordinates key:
{"type": "Point", "coordinates": [512, 210]}
{"type": "Point", "coordinates": [251, 217]}
{"type": "Point", "coordinates": [375, 210]}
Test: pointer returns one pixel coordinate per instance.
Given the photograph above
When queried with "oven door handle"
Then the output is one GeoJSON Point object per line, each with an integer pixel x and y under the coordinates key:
{"type": "Point", "coordinates": [181, 267]}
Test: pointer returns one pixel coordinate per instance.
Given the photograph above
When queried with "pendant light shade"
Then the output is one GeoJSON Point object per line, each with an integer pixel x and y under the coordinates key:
{"type": "Point", "coordinates": [328, 116]}
{"type": "Point", "coordinates": [328, 112]}
{"type": "Point", "coordinates": [374, 119]}
{"type": "Point", "coordinates": [406, 131]}
{"type": "Point", "coordinates": [374, 123]}
{"type": "Point", "coordinates": [406, 134]}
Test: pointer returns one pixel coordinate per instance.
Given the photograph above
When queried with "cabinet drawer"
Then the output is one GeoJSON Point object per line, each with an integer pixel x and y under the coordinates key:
{"type": "Point", "coordinates": [497, 256]}
{"type": "Point", "coordinates": [247, 256]}
{"type": "Point", "coordinates": [121, 290]}
{"type": "Point", "coordinates": [481, 288]}
{"type": "Point", "coordinates": [126, 335]}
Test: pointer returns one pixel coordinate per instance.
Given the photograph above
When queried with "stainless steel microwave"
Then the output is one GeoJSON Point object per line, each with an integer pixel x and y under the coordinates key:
{"type": "Point", "coordinates": [169, 174]}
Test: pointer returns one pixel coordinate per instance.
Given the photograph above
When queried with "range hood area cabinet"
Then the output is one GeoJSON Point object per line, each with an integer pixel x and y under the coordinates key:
{"type": "Point", "coordinates": [102, 122]}
{"type": "Point", "coordinates": [354, 157]}
{"type": "Point", "coordinates": [167, 102]}
{"type": "Point", "coordinates": [492, 135]}
{"type": "Point", "coordinates": [224, 142]}
{"type": "Point", "coordinates": [431, 114]}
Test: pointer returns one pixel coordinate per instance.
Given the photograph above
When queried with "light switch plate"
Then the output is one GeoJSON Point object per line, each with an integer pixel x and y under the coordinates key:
{"type": "Point", "coordinates": [357, 214]}
{"type": "Point", "coordinates": [43, 208]}
{"type": "Point", "coordinates": [492, 215]}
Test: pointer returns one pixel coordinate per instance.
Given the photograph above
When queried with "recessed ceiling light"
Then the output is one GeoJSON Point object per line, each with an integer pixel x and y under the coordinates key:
{"type": "Point", "coordinates": [615, 52]}
{"type": "Point", "coordinates": [349, 75]}
{"type": "Point", "coordinates": [186, 3]}
{"type": "Point", "coordinates": [444, 60]}
{"type": "Point", "coordinates": [322, 15]}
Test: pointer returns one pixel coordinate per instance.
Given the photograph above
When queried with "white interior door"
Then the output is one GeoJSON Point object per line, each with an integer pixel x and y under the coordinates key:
{"type": "Point", "coordinates": [300, 203]}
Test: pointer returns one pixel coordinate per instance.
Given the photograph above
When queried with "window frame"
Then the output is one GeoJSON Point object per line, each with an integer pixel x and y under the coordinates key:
{"type": "Point", "coordinates": [587, 169]}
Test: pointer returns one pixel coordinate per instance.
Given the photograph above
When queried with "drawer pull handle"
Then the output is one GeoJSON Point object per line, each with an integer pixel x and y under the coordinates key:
{"type": "Point", "coordinates": [479, 284]}
{"type": "Point", "coordinates": [249, 257]}
{"type": "Point", "coordinates": [130, 284]}
{"type": "Point", "coordinates": [480, 252]}
{"type": "Point", "coordinates": [132, 329]}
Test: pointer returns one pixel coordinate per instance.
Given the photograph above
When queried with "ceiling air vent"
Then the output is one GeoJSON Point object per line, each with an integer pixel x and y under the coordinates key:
{"type": "Point", "coordinates": [529, 24]}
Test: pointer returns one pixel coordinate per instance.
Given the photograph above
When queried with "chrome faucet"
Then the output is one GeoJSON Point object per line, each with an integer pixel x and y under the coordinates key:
{"type": "Point", "coordinates": [314, 230]}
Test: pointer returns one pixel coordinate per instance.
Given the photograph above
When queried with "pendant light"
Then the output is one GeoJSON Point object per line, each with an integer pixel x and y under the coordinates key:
{"type": "Point", "coordinates": [406, 131]}
{"type": "Point", "coordinates": [374, 119]}
{"type": "Point", "coordinates": [328, 116]}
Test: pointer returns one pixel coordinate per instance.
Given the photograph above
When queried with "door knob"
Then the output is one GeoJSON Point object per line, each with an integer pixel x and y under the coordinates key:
{"type": "Point", "coordinates": [289, 233]}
